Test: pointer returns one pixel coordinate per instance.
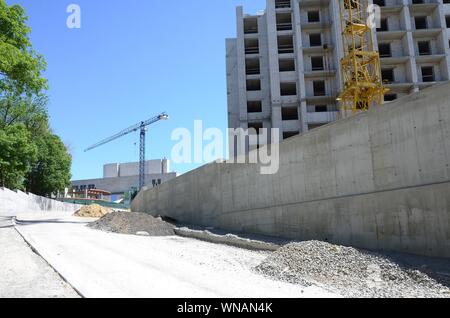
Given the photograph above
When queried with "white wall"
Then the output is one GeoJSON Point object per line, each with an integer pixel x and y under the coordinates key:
{"type": "Point", "coordinates": [14, 203]}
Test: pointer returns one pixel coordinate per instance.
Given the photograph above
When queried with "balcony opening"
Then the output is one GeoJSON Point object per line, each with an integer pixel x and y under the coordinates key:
{"type": "Point", "coordinates": [254, 106]}
{"type": "Point", "coordinates": [287, 65]}
{"type": "Point", "coordinates": [282, 4]}
{"type": "Point", "coordinates": [254, 85]}
{"type": "Point", "coordinates": [290, 134]}
{"type": "Point", "coordinates": [251, 46]}
{"type": "Point", "coordinates": [387, 75]}
{"type": "Point", "coordinates": [284, 21]}
{"type": "Point", "coordinates": [285, 44]}
{"type": "Point", "coordinates": [313, 16]}
{"type": "Point", "coordinates": [390, 97]}
{"type": "Point", "coordinates": [288, 89]}
{"type": "Point", "coordinates": [427, 74]}
{"type": "Point", "coordinates": [417, 1]}
{"type": "Point", "coordinates": [319, 88]}
{"type": "Point", "coordinates": [317, 63]}
{"type": "Point", "coordinates": [385, 49]}
{"type": "Point", "coordinates": [424, 47]}
{"type": "Point", "coordinates": [252, 67]}
{"type": "Point", "coordinates": [447, 21]}
{"type": "Point", "coordinates": [421, 23]}
{"type": "Point", "coordinates": [289, 113]}
{"type": "Point", "coordinates": [251, 25]}
{"type": "Point", "coordinates": [315, 39]}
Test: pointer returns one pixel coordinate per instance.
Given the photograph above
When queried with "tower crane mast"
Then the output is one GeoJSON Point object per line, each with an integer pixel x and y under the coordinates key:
{"type": "Point", "coordinates": [361, 70]}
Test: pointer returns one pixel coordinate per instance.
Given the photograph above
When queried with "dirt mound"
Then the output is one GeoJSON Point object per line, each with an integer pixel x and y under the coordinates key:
{"type": "Point", "coordinates": [92, 211]}
{"type": "Point", "coordinates": [348, 271]}
{"type": "Point", "coordinates": [133, 223]}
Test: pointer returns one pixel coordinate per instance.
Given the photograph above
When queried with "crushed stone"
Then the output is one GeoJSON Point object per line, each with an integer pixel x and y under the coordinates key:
{"type": "Point", "coordinates": [349, 271]}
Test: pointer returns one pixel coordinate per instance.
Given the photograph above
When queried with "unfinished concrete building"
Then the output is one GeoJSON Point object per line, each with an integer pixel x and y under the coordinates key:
{"type": "Point", "coordinates": [283, 69]}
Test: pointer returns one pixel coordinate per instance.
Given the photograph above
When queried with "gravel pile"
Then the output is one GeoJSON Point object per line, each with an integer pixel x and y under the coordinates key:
{"type": "Point", "coordinates": [92, 211]}
{"type": "Point", "coordinates": [348, 271]}
{"type": "Point", "coordinates": [133, 223]}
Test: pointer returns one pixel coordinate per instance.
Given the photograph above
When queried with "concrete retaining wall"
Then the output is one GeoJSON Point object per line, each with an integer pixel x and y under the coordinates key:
{"type": "Point", "coordinates": [14, 203]}
{"type": "Point", "coordinates": [378, 180]}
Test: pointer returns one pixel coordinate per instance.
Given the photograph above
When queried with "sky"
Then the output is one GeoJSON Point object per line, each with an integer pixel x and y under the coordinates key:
{"type": "Point", "coordinates": [130, 61]}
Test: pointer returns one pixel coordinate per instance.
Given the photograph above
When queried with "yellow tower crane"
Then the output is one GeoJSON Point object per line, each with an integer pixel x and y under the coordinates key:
{"type": "Point", "coordinates": [361, 70]}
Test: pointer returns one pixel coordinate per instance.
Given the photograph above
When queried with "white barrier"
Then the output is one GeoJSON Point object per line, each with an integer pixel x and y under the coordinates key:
{"type": "Point", "coordinates": [13, 203]}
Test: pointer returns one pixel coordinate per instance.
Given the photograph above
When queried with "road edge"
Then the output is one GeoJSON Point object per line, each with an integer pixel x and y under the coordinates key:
{"type": "Point", "coordinates": [35, 251]}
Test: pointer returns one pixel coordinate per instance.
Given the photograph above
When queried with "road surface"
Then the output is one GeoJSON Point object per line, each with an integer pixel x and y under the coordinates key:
{"type": "Point", "coordinates": [24, 274]}
{"type": "Point", "coordinates": [99, 264]}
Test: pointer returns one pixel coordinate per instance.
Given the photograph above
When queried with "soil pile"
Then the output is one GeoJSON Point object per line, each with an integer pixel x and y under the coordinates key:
{"type": "Point", "coordinates": [133, 223]}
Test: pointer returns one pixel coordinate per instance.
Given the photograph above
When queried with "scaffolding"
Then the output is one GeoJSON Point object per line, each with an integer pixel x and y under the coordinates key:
{"type": "Point", "coordinates": [361, 70]}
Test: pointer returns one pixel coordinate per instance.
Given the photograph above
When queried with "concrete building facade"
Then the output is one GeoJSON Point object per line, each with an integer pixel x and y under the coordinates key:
{"type": "Point", "coordinates": [121, 178]}
{"type": "Point", "coordinates": [283, 68]}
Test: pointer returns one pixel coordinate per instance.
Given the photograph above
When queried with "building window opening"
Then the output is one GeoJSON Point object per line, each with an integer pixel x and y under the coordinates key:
{"type": "Point", "coordinates": [319, 88]}
{"type": "Point", "coordinates": [317, 63]}
{"type": "Point", "coordinates": [287, 65]}
{"type": "Point", "coordinates": [288, 89]}
{"type": "Point", "coordinates": [315, 39]}
{"type": "Point", "coordinates": [254, 106]}
{"type": "Point", "coordinates": [289, 113]}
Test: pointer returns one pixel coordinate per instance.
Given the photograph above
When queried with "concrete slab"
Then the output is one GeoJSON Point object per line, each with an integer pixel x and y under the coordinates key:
{"type": "Point", "coordinates": [100, 264]}
{"type": "Point", "coordinates": [24, 274]}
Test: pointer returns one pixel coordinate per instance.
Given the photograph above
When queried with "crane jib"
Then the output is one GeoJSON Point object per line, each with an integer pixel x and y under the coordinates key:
{"type": "Point", "coordinates": [142, 127]}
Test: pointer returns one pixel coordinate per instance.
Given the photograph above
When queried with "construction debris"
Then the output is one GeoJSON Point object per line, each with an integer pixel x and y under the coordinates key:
{"type": "Point", "coordinates": [348, 271]}
{"type": "Point", "coordinates": [92, 211]}
{"type": "Point", "coordinates": [133, 223]}
{"type": "Point", "coordinates": [227, 239]}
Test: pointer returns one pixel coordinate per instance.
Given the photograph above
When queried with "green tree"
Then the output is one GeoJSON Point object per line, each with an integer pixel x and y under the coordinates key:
{"type": "Point", "coordinates": [20, 66]}
{"type": "Point", "coordinates": [29, 110]}
{"type": "Point", "coordinates": [17, 153]}
{"type": "Point", "coordinates": [50, 173]}
{"type": "Point", "coordinates": [30, 155]}
{"type": "Point", "coordinates": [22, 98]}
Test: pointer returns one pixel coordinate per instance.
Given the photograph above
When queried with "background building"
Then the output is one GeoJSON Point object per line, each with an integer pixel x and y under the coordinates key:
{"type": "Point", "coordinates": [283, 69]}
{"type": "Point", "coordinates": [118, 179]}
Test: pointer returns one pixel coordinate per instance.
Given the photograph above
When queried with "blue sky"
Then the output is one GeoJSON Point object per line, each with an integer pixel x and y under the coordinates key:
{"type": "Point", "coordinates": [129, 61]}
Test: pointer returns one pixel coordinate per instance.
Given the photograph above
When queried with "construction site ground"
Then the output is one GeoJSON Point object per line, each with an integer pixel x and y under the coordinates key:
{"type": "Point", "coordinates": [61, 256]}
{"type": "Point", "coordinates": [101, 264]}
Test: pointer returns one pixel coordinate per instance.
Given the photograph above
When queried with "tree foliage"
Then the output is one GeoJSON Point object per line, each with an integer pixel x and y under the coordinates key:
{"type": "Point", "coordinates": [29, 110]}
{"type": "Point", "coordinates": [17, 153]}
{"type": "Point", "coordinates": [20, 66]}
{"type": "Point", "coordinates": [31, 155]}
{"type": "Point", "coordinates": [51, 171]}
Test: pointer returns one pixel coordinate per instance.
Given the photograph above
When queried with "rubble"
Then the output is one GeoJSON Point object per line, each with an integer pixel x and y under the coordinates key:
{"type": "Point", "coordinates": [348, 271]}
